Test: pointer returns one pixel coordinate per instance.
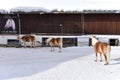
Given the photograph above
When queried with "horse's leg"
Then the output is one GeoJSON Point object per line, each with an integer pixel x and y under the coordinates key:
{"type": "Point", "coordinates": [108, 54]}
{"type": "Point", "coordinates": [101, 57]}
{"type": "Point", "coordinates": [34, 43]}
{"type": "Point", "coordinates": [60, 49]}
{"type": "Point", "coordinates": [105, 59]}
{"type": "Point", "coordinates": [53, 48]}
{"type": "Point", "coordinates": [24, 44]}
{"type": "Point", "coordinates": [108, 58]}
{"type": "Point", "coordinates": [31, 43]}
{"type": "Point", "coordinates": [96, 57]}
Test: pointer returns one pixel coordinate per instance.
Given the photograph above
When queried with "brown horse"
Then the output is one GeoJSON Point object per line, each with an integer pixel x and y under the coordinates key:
{"type": "Point", "coordinates": [102, 48]}
{"type": "Point", "coordinates": [28, 38]}
{"type": "Point", "coordinates": [53, 42]}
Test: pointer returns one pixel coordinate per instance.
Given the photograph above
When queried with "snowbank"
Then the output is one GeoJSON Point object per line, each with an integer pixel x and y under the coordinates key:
{"type": "Point", "coordinates": [74, 63]}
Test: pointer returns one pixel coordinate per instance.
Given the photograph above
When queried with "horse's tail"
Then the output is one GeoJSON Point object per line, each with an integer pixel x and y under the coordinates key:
{"type": "Point", "coordinates": [108, 53]}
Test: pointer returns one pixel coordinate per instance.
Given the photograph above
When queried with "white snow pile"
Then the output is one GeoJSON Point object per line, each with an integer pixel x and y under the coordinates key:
{"type": "Point", "coordinates": [29, 9]}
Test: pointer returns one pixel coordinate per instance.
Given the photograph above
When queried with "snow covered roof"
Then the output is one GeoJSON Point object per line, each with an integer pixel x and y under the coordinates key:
{"type": "Point", "coordinates": [101, 11]}
{"type": "Point", "coordinates": [29, 9]}
{"type": "Point", "coordinates": [2, 11]}
{"type": "Point", "coordinates": [42, 10]}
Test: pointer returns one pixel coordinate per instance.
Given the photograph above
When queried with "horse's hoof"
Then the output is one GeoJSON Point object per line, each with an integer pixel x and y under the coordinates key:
{"type": "Point", "coordinates": [106, 63]}
{"type": "Point", "coordinates": [100, 60]}
{"type": "Point", "coordinates": [95, 60]}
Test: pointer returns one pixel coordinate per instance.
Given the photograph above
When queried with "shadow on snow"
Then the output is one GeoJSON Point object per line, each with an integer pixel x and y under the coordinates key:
{"type": "Point", "coordinates": [21, 62]}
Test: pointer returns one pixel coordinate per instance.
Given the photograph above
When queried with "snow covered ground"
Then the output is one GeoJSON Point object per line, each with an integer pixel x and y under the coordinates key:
{"type": "Point", "coordinates": [74, 63]}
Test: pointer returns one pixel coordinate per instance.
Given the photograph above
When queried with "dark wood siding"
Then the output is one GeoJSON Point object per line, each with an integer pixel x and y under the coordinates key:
{"type": "Point", "coordinates": [50, 23]}
{"type": "Point", "coordinates": [69, 23]}
{"type": "Point", "coordinates": [118, 24]}
{"type": "Point", "coordinates": [100, 23]}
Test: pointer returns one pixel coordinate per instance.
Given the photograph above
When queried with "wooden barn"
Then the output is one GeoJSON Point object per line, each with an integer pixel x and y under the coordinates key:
{"type": "Point", "coordinates": [71, 23]}
{"type": "Point", "coordinates": [78, 23]}
{"type": "Point", "coordinates": [65, 23]}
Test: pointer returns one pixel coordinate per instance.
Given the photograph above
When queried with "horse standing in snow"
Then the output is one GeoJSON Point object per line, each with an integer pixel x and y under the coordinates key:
{"type": "Point", "coordinates": [102, 48]}
{"type": "Point", "coordinates": [28, 38]}
{"type": "Point", "coordinates": [53, 42]}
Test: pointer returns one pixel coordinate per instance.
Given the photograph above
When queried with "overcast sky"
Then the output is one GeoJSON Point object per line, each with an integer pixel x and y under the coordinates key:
{"type": "Point", "coordinates": [62, 4]}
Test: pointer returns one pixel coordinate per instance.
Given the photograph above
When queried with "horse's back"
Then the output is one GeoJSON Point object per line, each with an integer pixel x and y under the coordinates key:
{"type": "Point", "coordinates": [56, 41]}
{"type": "Point", "coordinates": [28, 38]}
{"type": "Point", "coordinates": [101, 47]}
{"type": "Point", "coordinates": [59, 40]}
{"type": "Point", "coordinates": [32, 38]}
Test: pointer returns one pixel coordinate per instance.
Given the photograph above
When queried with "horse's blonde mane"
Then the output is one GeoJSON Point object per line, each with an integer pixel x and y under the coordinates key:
{"type": "Point", "coordinates": [94, 40]}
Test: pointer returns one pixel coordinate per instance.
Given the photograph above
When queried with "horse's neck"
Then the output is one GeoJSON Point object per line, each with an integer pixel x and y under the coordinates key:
{"type": "Point", "coordinates": [95, 41]}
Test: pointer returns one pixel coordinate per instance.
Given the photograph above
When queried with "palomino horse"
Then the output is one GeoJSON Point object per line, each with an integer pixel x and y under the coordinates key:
{"type": "Point", "coordinates": [54, 42]}
{"type": "Point", "coordinates": [102, 48]}
{"type": "Point", "coordinates": [28, 38]}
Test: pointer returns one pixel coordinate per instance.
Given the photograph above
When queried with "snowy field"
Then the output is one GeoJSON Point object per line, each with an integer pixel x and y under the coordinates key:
{"type": "Point", "coordinates": [74, 63]}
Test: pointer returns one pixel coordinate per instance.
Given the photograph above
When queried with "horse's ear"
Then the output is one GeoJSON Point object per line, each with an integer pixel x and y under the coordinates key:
{"type": "Point", "coordinates": [93, 36]}
{"type": "Point", "coordinates": [18, 36]}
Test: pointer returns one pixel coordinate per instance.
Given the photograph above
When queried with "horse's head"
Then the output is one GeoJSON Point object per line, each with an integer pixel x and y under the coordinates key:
{"type": "Point", "coordinates": [94, 40]}
{"type": "Point", "coordinates": [10, 25]}
{"type": "Point", "coordinates": [47, 41]}
{"type": "Point", "coordinates": [18, 37]}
